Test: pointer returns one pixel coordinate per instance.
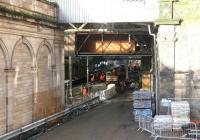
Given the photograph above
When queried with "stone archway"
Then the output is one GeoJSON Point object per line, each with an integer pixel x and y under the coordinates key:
{"type": "Point", "coordinates": [45, 96]}
{"type": "Point", "coordinates": [22, 106]}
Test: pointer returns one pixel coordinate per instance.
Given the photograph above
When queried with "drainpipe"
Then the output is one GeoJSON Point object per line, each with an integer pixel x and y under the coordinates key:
{"type": "Point", "coordinates": [175, 40]}
{"type": "Point", "coordinates": [155, 65]}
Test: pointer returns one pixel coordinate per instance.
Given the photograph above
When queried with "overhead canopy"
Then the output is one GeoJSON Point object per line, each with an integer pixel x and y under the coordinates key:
{"type": "Point", "coordinates": [107, 11]}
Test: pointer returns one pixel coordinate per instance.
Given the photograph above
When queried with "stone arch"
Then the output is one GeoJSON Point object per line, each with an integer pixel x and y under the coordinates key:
{"type": "Point", "coordinates": [48, 45]}
{"type": "Point", "coordinates": [22, 61]}
{"type": "Point", "coordinates": [5, 54]}
{"type": "Point", "coordinates": [45, 96]}
{"type": "Point", "coordinates": [4, 64]}
{"type": "Point", "coordinates": [28, 45]}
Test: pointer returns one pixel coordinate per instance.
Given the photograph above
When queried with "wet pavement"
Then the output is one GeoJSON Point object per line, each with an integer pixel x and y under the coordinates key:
{"type": "Point", "coordinates": [111, 120]}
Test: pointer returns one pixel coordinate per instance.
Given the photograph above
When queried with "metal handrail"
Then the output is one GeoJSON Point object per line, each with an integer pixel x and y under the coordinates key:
{"type": "Point", "coordinates": [45, 120]}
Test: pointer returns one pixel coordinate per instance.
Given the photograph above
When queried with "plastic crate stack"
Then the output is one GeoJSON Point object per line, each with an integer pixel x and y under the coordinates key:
{"type": "Point", "coordinates": [163, 122]}
{"type": "Point", "coordinates": [180, 111]}
{"type": "Point", "coordinates": [142, 104]}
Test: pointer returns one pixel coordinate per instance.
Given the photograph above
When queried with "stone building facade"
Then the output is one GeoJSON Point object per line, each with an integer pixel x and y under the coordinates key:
{"type": "Point", "coordinates": [178, 52]}
{"type": "Point", "coordinates": [31, 62]}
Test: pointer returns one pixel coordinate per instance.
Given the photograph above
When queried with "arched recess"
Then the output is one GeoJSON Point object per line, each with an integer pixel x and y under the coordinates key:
{"type": "Point", "coordinates": [44, 104]}
{"type": "Point", "coordinates": [29, 47]}
{"type": "Point", "coordinates": [50, 50]}
{"type": "Point", "coordinates": [5, 54]}
{"type": "Point", "coordinates": [22, 60]}
{"type": "Point", "coordinates": [4, 63]}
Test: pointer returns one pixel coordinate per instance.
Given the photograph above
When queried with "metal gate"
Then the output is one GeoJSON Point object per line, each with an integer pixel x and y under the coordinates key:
{"type": "Point", "coordinates": [189, 131]}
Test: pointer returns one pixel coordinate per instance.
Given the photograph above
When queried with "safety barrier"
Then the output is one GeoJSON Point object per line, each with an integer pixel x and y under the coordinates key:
{"type": "Point", "coordinates": [63, 115]}
{"type": "Point", "coordinates": [188, 131]}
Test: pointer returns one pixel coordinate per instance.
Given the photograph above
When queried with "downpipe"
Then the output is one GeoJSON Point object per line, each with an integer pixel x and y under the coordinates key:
{"type": "Point", "coordinates": [155, 65]}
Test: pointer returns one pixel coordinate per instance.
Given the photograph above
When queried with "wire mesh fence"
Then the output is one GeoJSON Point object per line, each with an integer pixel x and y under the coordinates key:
{"type": "Point", "coordinates": [187, 131]}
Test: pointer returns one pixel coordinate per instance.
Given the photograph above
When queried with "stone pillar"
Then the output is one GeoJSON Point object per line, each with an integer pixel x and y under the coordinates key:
{"type": "Point", "coordinates": [56, 85]}
{"type": "Point", "coordinates": [61, 74]}
{"type": "Point", "coordinates": [166, 56]}
{"type": "Point", "coordinates": [35, 90]}
{"type": "Point", "coordinates": [59, 70]}
{"type": "Point", "coordinates": [9, 98]}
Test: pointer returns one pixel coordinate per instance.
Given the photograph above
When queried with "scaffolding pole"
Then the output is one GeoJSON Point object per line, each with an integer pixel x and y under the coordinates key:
{"type": "Point", "coordinates": [87, 73]}
{"type": "Point", "coordinates": [70, 76]}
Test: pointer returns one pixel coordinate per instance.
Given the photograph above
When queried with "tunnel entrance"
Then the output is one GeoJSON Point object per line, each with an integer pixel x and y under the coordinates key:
{"type": "Point", "coordinates": [121, 51]}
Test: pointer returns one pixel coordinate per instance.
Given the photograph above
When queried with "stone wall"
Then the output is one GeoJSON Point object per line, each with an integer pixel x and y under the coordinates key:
{"type": "Point", "coordinates": [165, 44]}
{"type": "Point", "coordinates": [31, 72]}
{"type": "Point", "coordinates": [22, 91]}
{"type": "Point", "coordinates": [2, 94]}
{"type": "Point", "coordinates": [179, 55]}
{"type": "Point", "coordinates": [41, 6]}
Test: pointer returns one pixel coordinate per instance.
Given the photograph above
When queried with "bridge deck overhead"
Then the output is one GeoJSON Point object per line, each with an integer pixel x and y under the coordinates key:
{"type": "Point", "coordinates": [110, 39]}
{"type": "Point", "coordinates": [105, 11]}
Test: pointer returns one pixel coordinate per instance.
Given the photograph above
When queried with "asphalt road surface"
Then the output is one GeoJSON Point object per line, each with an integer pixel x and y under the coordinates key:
{"type": "Point", "coordinates": [111, 120]}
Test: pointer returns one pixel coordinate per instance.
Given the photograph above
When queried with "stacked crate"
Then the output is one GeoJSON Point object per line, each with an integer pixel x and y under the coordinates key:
{"type": "Point", "coordinates": [180, 116]}
{"type": "Point", "coordinates": [163, 122]}
{"type": "Point", "coordinates": [180, 111]}
{"type": "Point", "coordinates": [142, 104]}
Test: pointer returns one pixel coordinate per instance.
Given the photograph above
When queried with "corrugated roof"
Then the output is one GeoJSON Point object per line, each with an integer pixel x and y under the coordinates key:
{"type": "Point", "coordinates": [102, 11]}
